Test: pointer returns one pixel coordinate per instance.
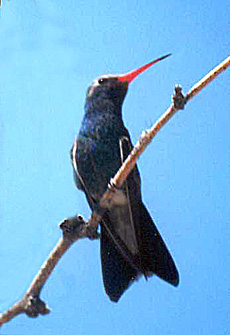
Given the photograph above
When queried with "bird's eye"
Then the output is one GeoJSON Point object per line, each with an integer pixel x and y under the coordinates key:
{"type": "Point", "coordinates": [102, 80]}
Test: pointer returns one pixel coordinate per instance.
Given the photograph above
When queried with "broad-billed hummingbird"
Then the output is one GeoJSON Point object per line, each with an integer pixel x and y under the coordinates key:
{"type": "Point", "coordinates": [131, 245]}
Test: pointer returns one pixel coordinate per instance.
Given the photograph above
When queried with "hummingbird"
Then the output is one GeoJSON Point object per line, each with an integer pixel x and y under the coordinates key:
{"type": "Point", "coordinates": [130, 243]}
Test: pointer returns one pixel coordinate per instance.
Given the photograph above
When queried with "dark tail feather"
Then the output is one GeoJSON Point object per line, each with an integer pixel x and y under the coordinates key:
{"type": "Point", "coordinates": [120, 271]}
{"type": "Point", "coordinates": [155, 256]}
{"type": "Point", "coordinates": [117, 272]}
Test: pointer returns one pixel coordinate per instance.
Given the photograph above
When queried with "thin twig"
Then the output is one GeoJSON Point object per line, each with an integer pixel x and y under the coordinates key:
{"type": "Point", "coordinates": [207, 79]}
{"type": "Point", "coordinates": [75, 228]}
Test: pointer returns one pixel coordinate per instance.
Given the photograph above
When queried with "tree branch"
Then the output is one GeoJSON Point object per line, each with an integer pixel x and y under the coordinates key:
{"type": "Point", "coordinates": [30, 304]}
{"type": "Point", "coordinates": [76, 228]}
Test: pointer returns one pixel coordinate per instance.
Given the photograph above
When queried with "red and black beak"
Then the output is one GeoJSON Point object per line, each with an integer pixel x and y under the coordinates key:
{"type": "Point", "coordinates": [130, 76]}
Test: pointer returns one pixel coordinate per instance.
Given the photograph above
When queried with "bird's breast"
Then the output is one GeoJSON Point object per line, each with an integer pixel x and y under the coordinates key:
{"type": "Point", "coordinates": [98, 160]}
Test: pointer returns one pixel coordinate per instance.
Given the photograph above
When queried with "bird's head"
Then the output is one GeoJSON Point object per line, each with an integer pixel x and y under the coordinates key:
{"type": "Point", "coordinates": [113, 88]}
{"type": "Point", "coordinates": [107, 87]}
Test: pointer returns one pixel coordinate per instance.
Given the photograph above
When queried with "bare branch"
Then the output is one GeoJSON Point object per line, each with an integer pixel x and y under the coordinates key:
{"type": "Point", "coordinates": [76, 228]}
{"type": "Point", "coordinates": [30, 304]}
{"type": "Point", "coordinates": [207, 79]}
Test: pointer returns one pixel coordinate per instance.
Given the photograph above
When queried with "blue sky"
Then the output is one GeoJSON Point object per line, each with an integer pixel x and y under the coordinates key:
{"type": "Point", "coordinates": [50, 52]}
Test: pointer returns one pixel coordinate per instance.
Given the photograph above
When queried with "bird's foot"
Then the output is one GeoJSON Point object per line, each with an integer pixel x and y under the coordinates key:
{"type": "Point", "coordinates": [92, 233]}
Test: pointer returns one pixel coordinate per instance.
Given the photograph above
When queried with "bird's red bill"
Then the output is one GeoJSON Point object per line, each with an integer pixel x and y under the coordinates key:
{"type": "Point", "coordinates": [130, 76]}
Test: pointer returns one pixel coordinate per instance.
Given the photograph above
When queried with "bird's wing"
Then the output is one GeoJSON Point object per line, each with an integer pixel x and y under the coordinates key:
{"type": "Point", "coordinates": [120, 255]}
{"type": "Point", "coordinates": [121, 219]}
{"type": "Point", "coordinates": [154, 255]}
{"type": "Point", "coordinates": [119, 266]}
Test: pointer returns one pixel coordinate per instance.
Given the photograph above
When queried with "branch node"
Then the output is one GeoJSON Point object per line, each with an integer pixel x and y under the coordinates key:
{"type": "Point", "coordinates": [178, 99]}
{"type": "Point", "coordinates": [73, 228]}
{"type": "Point", "coordinates": [35, 306]}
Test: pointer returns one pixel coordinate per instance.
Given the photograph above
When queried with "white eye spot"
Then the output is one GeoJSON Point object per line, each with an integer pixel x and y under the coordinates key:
{"type": "Point", "coordinates": [102, 80]}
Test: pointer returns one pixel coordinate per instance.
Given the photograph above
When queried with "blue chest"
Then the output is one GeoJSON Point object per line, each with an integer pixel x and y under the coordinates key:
{"type": "Point", "coordinates": [98, 150]}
